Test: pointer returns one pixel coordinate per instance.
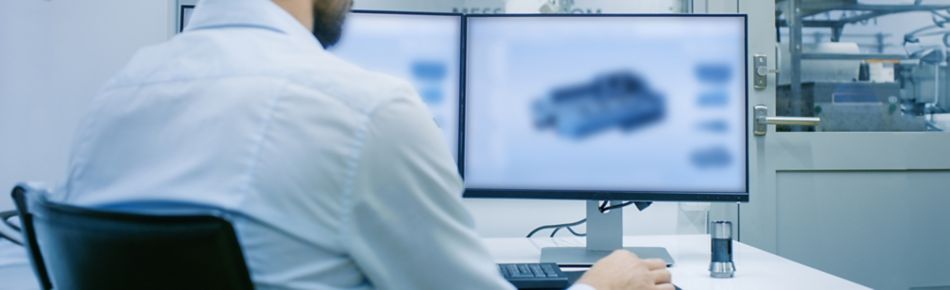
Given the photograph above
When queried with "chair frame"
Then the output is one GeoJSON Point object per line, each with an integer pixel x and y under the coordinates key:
{"type": "Point", "coordinates": [31, 205]}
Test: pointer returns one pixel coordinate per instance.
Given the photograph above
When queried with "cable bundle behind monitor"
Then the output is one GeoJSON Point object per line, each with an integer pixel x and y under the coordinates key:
{"type": "Point", "coordinates": [604, 208]}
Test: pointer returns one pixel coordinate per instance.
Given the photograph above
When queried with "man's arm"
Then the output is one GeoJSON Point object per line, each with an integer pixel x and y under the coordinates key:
{"type": "Point", "coordinates": [406, 227]}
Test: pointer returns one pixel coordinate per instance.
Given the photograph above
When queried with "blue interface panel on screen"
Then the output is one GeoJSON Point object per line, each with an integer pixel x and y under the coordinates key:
{"type": "Point", "coordinates": [631, 107]}
{"type": "Point", "coordinates": [423, 49]}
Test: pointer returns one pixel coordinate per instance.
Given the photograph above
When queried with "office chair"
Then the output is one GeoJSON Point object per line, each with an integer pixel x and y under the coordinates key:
{"type": "Point", "coordinates": [77, 248]}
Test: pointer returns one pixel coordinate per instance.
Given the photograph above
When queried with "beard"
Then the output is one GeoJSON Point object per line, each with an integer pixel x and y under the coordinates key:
{"type": "Point", "coordinates": [328, 22]}
{"type": "Point", "coordinates": [328, 33]}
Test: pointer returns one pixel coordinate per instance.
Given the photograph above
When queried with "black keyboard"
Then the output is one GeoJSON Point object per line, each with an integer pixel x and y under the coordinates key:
{"type": "Point", "coordinates": [534, 275]}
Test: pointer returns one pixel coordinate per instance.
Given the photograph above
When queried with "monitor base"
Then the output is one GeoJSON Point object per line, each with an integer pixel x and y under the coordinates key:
{"type": "Point", "coordinates": [583, 257]}
{"type": "Point", "coordinates": [604, 235]}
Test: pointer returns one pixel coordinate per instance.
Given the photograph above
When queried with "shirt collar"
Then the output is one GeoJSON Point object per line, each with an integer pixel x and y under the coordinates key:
{"type": "Point", "coordinates": [210, 14]}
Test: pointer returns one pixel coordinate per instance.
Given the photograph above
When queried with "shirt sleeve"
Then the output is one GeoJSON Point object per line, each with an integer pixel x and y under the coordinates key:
{"type": "Point", "coordinates": [581, 287]}
{"type": "Point", "coordinates": [406, 227]}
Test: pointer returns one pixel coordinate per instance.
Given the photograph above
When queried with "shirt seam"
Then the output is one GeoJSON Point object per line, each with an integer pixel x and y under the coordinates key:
{"type": "Point", "coordinates": [353, 167]}
{"type": "Point", "coordinates": [259, 141]}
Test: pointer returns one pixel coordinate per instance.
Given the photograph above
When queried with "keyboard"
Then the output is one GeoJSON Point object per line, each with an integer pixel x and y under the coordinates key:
{"type": "Point", "coordinates": [534, 275]}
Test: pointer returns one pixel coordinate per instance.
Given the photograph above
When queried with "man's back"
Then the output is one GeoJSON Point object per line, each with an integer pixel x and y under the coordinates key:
{"type": "Point", "coordinates": [330, 174]}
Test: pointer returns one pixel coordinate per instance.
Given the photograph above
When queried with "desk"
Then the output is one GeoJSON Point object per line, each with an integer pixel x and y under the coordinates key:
{"type": "Point", "coordinates": [755, 269]}
{"type": "Point", "coordinates": [15, 271]}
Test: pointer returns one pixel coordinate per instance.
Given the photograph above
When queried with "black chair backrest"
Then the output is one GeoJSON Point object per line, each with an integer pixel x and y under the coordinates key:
{"type": "Point", "coordinates": [77, 248]}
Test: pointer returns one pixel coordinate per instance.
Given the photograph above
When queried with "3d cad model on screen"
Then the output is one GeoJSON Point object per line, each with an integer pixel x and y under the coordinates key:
{"type": "Point", "coordinates": [619, 99]}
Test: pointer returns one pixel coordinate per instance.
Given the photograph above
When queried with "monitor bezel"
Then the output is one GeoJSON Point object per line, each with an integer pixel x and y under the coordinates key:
{"type": "Point", "coordinates": [181, 16]}
{"type": "Point", "coordinates": [581, 194]}
{"type": "Point", "coordinates": [401, 12]}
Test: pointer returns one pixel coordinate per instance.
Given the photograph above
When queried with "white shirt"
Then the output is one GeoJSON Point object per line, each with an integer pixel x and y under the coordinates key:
{"type": "Point", "coordinates": [334, 177]}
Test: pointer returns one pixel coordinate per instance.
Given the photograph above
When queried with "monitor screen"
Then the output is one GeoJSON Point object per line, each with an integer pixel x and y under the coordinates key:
{"type": "Point", "coordinates": [626, 107]}
{"type": "Point", "coordinates": [423, 49]}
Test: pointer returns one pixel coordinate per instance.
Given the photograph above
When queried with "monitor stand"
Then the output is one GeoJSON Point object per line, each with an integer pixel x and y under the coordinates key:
{"type": "Point", "coordinates": [604, 235]}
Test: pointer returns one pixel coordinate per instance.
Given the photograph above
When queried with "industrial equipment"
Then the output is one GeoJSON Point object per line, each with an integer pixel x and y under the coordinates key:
{"type": "Point", "coordinates": [854, 90]}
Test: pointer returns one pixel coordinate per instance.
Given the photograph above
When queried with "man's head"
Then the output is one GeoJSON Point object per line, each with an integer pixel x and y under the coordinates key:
{"type": "Point", "coordinates": [323, 17]}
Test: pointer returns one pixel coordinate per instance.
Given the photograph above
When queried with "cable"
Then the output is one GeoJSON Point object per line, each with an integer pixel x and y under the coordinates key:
{"type": "Point", "coordinates": [616, 206]}
{"type": "Point", "coordinates": [576, 233]}
{"type": "Point", "coordinates": [556, 226]}
{"type": "Point", "coordinates": [5, 216]}
{"type": "Point", "coordinates": [603, 208]}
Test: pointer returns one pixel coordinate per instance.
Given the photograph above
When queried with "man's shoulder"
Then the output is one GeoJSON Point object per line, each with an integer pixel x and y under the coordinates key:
{"type": "Point", "coordinates": [325, 74]}
{"type": "Point", "coordinates": [216, 55]}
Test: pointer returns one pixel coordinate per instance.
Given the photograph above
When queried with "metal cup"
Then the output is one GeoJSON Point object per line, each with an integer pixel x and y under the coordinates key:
{"type": "Point", "coordinates": [721, 265]}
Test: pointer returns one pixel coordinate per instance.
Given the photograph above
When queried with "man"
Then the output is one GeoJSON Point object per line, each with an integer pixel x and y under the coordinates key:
{"type": "Point", "coordinates": [333, 177]}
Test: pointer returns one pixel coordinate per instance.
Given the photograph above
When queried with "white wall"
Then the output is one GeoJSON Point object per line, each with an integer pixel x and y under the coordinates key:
{"type": "Point", "coordinates": [54, 54]}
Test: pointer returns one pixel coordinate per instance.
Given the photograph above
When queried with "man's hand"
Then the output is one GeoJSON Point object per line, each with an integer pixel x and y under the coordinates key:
{"type": "Point", "coordinates": [622, 270]}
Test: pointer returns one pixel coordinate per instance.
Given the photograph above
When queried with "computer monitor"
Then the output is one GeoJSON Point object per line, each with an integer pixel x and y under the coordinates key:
{"type": "Point", "coordinates": [605, 107]}
{"type": "Point", "coordinates": [422, 48]}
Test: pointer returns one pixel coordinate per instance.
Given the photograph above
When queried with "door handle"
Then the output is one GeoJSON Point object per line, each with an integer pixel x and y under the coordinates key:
{"type": "Point", "coordinates": [761, 119]}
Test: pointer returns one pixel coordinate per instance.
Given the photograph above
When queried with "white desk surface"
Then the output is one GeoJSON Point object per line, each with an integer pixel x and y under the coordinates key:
{"type": "Point", "coordinates": [15, 271]}
{"type": "Point", "coordinates": [755, 269]}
